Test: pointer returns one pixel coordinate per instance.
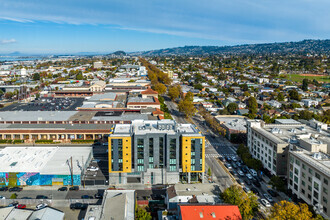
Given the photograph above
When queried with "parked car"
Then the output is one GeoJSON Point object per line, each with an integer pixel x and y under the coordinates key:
{"type": "Point", "coordinates": [4, 188]}
{"type": "Point", "coordinates": [253, 172]}
{"type": "Point", "coordinates": [74, 188]}
{"type": "Point", "coordinates": [249, 176]}
{"type": "Point", "coordinates": [240, 172]}
{"type": "Point", "coordinates": [255, 191]}
{"type": "Point", "coordinates": [92, 168]}
{"type": "Point", "coordinates": [78, 206]}
{"type": "Point", "coordinates": [98, 196]}
{"type": "Point", "coordinates": [105, 144]}
{"type": "Point", "coordinates": [228, 158]}
{"type": "Point", "coordinates": [41, 206]}
{"type": "Point", "coordinates": [21, 206]}
{"type": "Point", "coordinates": [248, 182]}
{"type": "Point", "coordinates": [2, 197]}
{"type": "Point", "coordinates": [15, 189]}
{"type": "Point", "coordinates": [272, 192]}
{"type": "Point", "coordinates": [228, 165]}
{"type": "Point", "coordinates": [246, 189]}
{"type": "Point", "coordinates": [234, 165]}
{"type": "Point", "coordinates": [64, 188]}
{"type": "Point", "coordinates": [234, 158]}
{"type": "Point", "coordinates": [244, 169]}
{"type": "Point", "coordinates": [269, 198]}
{"type": "Point", "coordinates": [239, 181]}
{"type": "Point", "coordinates": [86, 197]}
{"type": "Point", "coordinates": [233, 172]}
{"type": "Point", "coordinates": [265, 202]}
{"type": "Point", "coordinates": [13, 204]}
{"type": "Point", "coordinates": [256, 183]}
{"type": "Point", "coordinates": [41, 197]}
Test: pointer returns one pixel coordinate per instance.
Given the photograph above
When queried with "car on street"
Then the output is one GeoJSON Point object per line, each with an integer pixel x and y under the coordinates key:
{"type": "Point", "coordinates": [272, 192]}
{"type": "Point", "coordinates": [92, 168]}
{"type": "Point", "coordinates": [64, 188]}
{"type": "Point", "coordinates": [78, 206]}
{"type": "Point", "coordinates": [86, 197]}
{"type": "Point", "coordinates": [256, 183]}
{"type": "Point", "coordinates": [255, 190]}
{"type": "Point", "coordinates": [13, 204]}
{"type": "Point", "coordinates": [228, 158]}
{"type": "Point", "coordinates": [74, 188]}
{"type": "Point", "coordinates": [4, 188]}
{"type": "Point", "coordinates": [41, 206]}
{"type": "Point", "coordinates": [2, 197]}
{"type": "Point", "coordinates": [265, 203]}
{"type": "Point", "coordinates": [240, 172]}
{"type": "Point", "coordinates": [248, 182]}
{"type": "Point", "coordinates": [228, 165]}
{"type": "Point", "coordinates": [269, 198]}
{"type": "Point", "coordinates": [98, 196]}
{"type": "Point", "coordinates": [233, 172]}
{"type": "Point", "coordinates": [239, 181]}
{"type": "Point", "coordinates": [234, 165]}
{"type": "Point", "coordinates": [249, 176]}
{"type": "Point", "coordinates": [41, 197]}
{"type": "Point", "coordinates": [234, 158]}
{"type": "Point", "coordinates": [246, 189]}
{"type": "Point", "coordinates": [244, 169]}
{"type": "Point", "coordinates": [21, 206]}
{"type": "Point", "coordinates": [15, 189]}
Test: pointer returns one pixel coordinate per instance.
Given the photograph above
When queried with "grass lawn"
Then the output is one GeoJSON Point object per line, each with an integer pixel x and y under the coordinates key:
{"type": "Point", "coordinates": [299, 78]}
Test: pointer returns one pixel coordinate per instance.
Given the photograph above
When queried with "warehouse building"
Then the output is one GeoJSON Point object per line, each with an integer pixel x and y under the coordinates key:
{"type": "Point", "coordinates": [155, 152]}
{"type": "Point", "coordinates": [43, 165]}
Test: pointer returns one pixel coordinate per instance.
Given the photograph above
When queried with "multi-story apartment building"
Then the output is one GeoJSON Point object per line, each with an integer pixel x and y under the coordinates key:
{"type": "Point", "coordinates": [155, 152]}
{"type": "Point", "coordinates": [309, 176]}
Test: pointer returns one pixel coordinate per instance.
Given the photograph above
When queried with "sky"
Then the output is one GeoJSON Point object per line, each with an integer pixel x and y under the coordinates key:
{"type": "Point", "coordinates": [104, 26]}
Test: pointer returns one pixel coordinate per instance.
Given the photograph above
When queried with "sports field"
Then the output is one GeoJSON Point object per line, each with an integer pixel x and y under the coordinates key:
{"type": "Point", "coordinates": [300, 77]}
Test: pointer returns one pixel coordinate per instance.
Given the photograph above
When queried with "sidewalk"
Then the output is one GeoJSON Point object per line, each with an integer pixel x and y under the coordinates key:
{"type": "Point", "coordinates": [282, 195]}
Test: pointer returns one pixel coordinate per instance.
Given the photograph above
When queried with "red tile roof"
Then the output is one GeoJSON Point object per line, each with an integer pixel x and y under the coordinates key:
{"type": "Point", "coordinates": [218, 212]}
{"type": "Point", "coordinates": [149, 91]}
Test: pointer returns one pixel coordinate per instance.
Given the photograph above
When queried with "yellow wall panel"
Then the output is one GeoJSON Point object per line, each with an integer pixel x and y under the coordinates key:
{"type": "Point", "coordinates": [127, 154]}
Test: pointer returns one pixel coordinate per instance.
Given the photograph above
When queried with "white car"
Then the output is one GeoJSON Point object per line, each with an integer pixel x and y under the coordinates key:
{"type": "Point", "coordinates": [2, 197]}
{"type": "Point", "coordinates": [41, 206]}
{"type": "Point", "coordinates": [249, 176]}
{"type": "Point", "coordinates": [234, 158]}
{"type": "Point", "coordinates": [246, 189]}
{"type": "Point", "coordinates": [265, 203]}
{"type": "Point", "coordinates": [268, 197]}
{"type": "Point", "coordinates": [92, 168]}
{"type": "Point", "coordinates": [240, 172]}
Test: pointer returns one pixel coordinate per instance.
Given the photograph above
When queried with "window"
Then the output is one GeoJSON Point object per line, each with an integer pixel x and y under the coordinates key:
{"type": "Point", "coordinates": [317, 175]}
{"type": "Point", "coordinates": [310, 170]}
{"type": "Point", "coordinates": [316, 186]}
{"type": "Point", "coordinates": [325, 181]}
{"type": "Point", "coordinates": [140, 168]}
{"type": "Point", "coordinates": [325, 200]}
{"type": "Point", "coordinates": [298, 162]}
{"type": "Point", "coordinates": [296, 171]}
{"type": "Point", "coordinates": [316, 194]}
{"type": "Point", "coordinates": [309, 188]}
{"type": "Point", "coordinates": [309, 179]}
{"type": "Point", "coordinates": [303, 183]}
{"type": "Point", "coordinates": [302, 191]}
{"type": "Point", "coordinates": [295, 179]}
{"type": "Point", "coordinates": [304, 166]}
{"type": "Point", "coordinates": [325, 190]}
{"type": "Point", "coordinates": [303, 174]}
{"type": "Point", "coordinates": [172, 168]}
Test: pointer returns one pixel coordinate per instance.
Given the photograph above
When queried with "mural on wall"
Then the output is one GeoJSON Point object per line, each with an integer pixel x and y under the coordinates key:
{"type": "Point", "coordinates": [35, 179]}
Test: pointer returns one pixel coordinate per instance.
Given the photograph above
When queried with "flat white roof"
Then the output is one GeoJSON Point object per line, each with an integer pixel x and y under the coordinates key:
{"type": "Point", "coordinates": [44, 160]}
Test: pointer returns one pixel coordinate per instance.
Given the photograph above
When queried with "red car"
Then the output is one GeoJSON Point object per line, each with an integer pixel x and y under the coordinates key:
{"type": "Point", "coordinates": [21, 206]}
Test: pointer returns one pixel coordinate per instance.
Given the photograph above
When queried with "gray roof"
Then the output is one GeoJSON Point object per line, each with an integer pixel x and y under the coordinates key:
{"type": "Point", "coordinates": [100, 97]}
{"type": "Point", "coordinates": [36, 115]}
{"type": "Point", "coordinates": [55, 126]}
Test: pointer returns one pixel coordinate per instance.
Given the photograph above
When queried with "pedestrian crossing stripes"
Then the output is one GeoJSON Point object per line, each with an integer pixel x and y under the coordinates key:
{"type": "Point", "coordinates": [218, 155]}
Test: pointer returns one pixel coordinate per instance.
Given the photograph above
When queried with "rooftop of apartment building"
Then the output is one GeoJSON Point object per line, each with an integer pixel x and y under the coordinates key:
{"type": "Point", "coordinates": [233, 123]}
{"type": "Point", "coordinates": [141, 127]}
{"type": "Point", "coordinates": [319, 160]}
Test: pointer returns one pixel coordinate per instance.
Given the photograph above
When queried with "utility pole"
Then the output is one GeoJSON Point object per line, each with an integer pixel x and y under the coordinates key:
{"type": "Point", "coordinates": [71, 171]}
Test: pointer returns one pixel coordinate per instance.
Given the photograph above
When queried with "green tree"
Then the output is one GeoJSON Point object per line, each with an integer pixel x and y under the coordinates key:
{"type": "Point", "coordinates": [252, 106]}
{"type": "Point", "coordinates": [142, 214]}
{"type": "Point", "coordinates": [277, 183]}
{"type": "Point", "coordinates": [160, 88]}
{"type": "Point", "coordinates": [285, 210]}
{"type": "Point", "coordinates": [246, 94]}
{"type": "Point", "coordinates": [189, 96]}
{"type": "Point", "coordinates": [304, 84]}
{"type": "Point", "coordinates": [13, 196]}
{"type": "Point", "coordinates": [79, 76]}
{"type": "Point", "coordinates": [305, 114]}
{"type": "Point", "coordinates": [174, 92]}
{"type": "Point", "coordinates": [280, 97]}
{"type": "Point", "coordinates": [232, 107]}
{"type": "Point", "coordinates": [209, 172]}
{"type": "Point", "coordinates": [246, 202]}
{"type": "Point", "coordinates": [187, 107]}
{"type": "Point", "coordinates": [294, 95]}
{"type": "Point", "coordinates": [36, 77]}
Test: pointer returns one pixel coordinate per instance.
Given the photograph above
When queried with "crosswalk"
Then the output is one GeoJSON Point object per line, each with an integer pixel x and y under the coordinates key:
{"type": "Point", "coordinates": [216, 155]}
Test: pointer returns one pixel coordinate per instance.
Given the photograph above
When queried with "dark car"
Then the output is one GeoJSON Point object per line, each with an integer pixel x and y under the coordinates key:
{"type": "Point", "coordinates": [78, 206]}
{"type": "Point", "coordinates": [255, 191]}
{"type": "Point", "coordinates": [272, 192]}
{"type": "Point", "coordinates": [74, 188]}
{"type": "Point", "coordinates": [64, 188]}
{"type": "Point", "coordinates": [86, 197]}
{"type": "Point", "coordinates": [256, 183]}
{"type": "Point", "coordinates": [13, 204]}
{"type": "Point", "coordinates": [248, 182]}
{"type": "Point", "coordinates": [233, 172]}
{"type": "Point", "coordinates": [98, 196]}
{"type": "Point", "coordinates": [41, 197]}
{"type": "Point", "coordinates": [244, 169]}
{"type": "Point", "coordinates": [4, 188]}
{"type": "Point", "coordinates": [228, 158]}
{"type": "Point", "coordinates": [15, 189]}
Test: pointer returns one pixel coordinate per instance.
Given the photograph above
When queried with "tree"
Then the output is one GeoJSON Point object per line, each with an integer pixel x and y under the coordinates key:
{"type": "Point", "coordinates": [189, 96]}
{"type": "Point", "coordinates": [294, 95]}
{"type": "Point", "coordinates": [36, 77]}
{"type": "Point", "coordinates": [305, 114]}
{"type": "Point", "coordinates": [79, 76]}
{"type": "Point", "coordinates": [187, 107]}
{"type": "Point", "coordinates": [304, 84]}
{"type": "Point", "coordinates": [232, 107]}
{"type": "Point", "coordinates": [246, 202]}
{"type": "Point", "coordinates": [209, 172]}
{"type": "Point", "coordinates": [280, 97]}
{"type": "Point", "coordinates": [246, 94]}
{"type": "Point", "coordinates": [142, 214]}
{"type": "Point", "coordinates": [277, 183]}
{"type": "Point", "coordinates": [174, 92]}
{"type": "Point", "coordinates": [252, 106]}
{"type": "Point", "coordinates": [285, 210]}
{"type": "Point", "coordinates": [160, 88]}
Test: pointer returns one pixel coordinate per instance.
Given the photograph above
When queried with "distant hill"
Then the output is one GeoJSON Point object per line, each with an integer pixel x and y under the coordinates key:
{"type": "Point", "coordinates": [301, 47]}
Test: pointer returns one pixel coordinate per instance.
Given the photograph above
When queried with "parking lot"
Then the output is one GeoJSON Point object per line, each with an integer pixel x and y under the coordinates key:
{"type": "Point", "coordinates": [47, 104]}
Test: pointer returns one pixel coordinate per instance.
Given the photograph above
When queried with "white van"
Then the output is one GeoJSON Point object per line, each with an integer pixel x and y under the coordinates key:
{"type": "Point", "coordinates": [253, 172]}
